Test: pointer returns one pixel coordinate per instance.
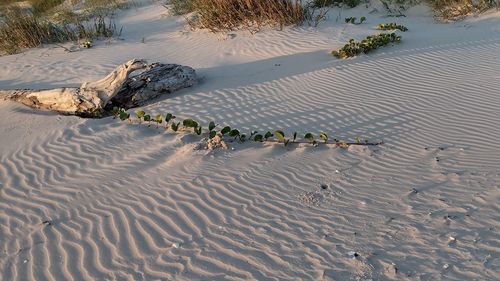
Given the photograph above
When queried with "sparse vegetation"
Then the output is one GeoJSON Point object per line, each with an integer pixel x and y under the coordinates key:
{"type": "Point", "coordinates": [340, 3]}
{"type": "Point", "coordinates": [366, 45]}
{"type": "Point", "coordinates": [457, 9]}
{"type": "Point", "coordinates": [392, 26]}
{"type": "Point", "coordinates": [226, 15]}
{"type": "Point", "coordinates": [22, 28]}
{"type": "Point", "coordinates": [228, 134]}
{"type": "Point", "coordinates": [253, 14]}
{"type": "Point", "coordinates": [352, 20]}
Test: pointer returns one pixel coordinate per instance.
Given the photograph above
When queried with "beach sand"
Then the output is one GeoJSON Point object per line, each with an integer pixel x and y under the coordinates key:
{"type": "Point", "coordinates": [85, 199]}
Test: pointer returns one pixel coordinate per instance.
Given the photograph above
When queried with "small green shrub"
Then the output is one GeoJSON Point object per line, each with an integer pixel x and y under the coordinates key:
{"type": "Point", "coordinates": [366, 45]}
{"type": "Point", "coordinates": [392, 26]}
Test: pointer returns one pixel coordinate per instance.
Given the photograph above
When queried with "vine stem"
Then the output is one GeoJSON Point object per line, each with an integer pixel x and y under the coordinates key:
{"type": "Point", "coordinates": [317, 143]}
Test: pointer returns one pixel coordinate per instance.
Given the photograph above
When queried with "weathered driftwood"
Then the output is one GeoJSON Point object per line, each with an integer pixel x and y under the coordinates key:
{"type": "Point", "coordinates": [119, 88]}
{"type": "Point", "coordinates": [157, 79]}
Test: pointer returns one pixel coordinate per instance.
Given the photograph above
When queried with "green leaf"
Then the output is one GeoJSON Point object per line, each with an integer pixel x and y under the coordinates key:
{"type": "Point", "coordinates": [243, 137]}
{"type": "Point", "coordinates": [140, 114]}
{"type": "Point", "coordinates": [279, 134]}
{"type": "Point", "coordinates": [175, 126]}
{"type": "Point", "coordinates": [323, 136]}
{"type": "Point", "coordinates": [116, 111]}
{"type": "Point", "coordinates": [294, 136]}
{"type": "Point", "coordinates": [258, 137]}
{"type": "Point", "coordinates": [190, 123]}
{"type": "Point", "coordinates": [158, 118]}
{"type": "Point", "coordinates": [213, 134]}
{"type": "Point", "coordinates": [124, 115]}
{"type": "Point", "coordinates": [309, 137]}
{"type": "Point", "coordinates": [211, 126]}
{"type": "Point", "coordinates": [268, 135]}
{"type": "Point", "coordinates": [169, 117]}
{"type": "Point", "coordinates": [286, 142]}
{"type": "Point", "coordinates": [234, 133]}
{"type": "Point", "coordinates": [225, 130]}
{"type": "Point", "coordinates": [198, 130]}
{"type": "Point", "coordinates": [147, 117]}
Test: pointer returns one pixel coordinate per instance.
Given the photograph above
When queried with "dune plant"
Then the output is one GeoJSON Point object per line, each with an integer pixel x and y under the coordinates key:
{"type": "Point", "coordinates": [352, 20]}
{"type": "Point", "coordinates": [226, 15]}
{"type": "Point", "coordinates": [366, 45]}
{"type": "Point", "coordinates": [392, 26]}
{"type": "Point", "coordinates": [229, 134]}
{"type": "Point", "coordinates": [28, 28]}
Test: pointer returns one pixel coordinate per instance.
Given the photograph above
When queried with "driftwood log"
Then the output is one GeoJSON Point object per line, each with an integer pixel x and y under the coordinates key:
{"type": "Point", "coordinates": [124, 87]}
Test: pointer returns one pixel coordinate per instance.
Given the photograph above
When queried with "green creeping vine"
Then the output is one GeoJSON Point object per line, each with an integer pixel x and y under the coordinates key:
{"type": "Point", "coordinates": [229, 134]}
{"type": "Point", "coordinates": [353, 20]}
{"type": "Point", "coordinates": [392, 26]}
{"type": "Point", "coordinates": [366, 45]}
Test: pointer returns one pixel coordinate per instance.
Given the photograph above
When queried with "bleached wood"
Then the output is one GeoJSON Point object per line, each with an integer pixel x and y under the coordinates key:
{"type": "Point", "coordinates": [92, 99]}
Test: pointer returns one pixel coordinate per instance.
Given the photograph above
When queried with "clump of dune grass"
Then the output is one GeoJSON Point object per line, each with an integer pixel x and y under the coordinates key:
{"type": "Point", "coordinates": [226, 15]}
{"type": "Point", "coordinates": [42, 6]}
{"type": "Point", "coordinates": [21, 29]}
{"type": "Point", "coordinates": [457, 9]}
{"type": "Point", "coordinates": [340, 3]}
{"type": "Point", "coordinates": [181, 7]}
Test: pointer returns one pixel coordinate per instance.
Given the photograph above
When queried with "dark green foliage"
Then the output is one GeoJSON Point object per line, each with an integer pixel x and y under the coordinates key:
{"type": "Point", "coordinates": [124, 115]}
{"type": "Point", "coordinates": [234, 134]}
{"type": "Point", "coordinates": [268, 135]}
{"type": "Point", "coordinates": [190, 123]}
{"type": "Point", "coordinates": [175, 126]}
{"type": "Point", "coordinates": [309, 137]}
{"type": "Point", "coordinates": [366, 45]}
{"type": "Point", "coordinates": [225, 130]}
{"type": "Point", "coordinates": [392, 26]}
{"type": "Point", "coordinates": [198, 130]}
{"type": "Point", "coordinates": [211, 126]}
{"type": "Point", "coordinates": [353, 20]}
{"type": "Point", "coordinates": [169, 117]}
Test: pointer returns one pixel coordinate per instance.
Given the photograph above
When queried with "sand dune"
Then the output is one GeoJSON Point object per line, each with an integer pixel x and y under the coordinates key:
{"type": "Point", "coordinates": [103, 200]}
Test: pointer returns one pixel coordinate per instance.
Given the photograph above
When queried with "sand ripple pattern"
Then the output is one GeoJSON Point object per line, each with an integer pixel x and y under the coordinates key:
{"type": "Point", "coordinates": [103, 200]}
